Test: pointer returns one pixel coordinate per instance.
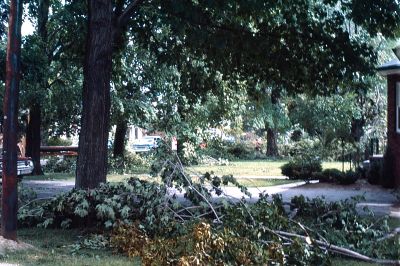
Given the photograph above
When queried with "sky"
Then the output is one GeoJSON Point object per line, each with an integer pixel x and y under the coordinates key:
{"type": "Point", "coordinates": [27, 28]}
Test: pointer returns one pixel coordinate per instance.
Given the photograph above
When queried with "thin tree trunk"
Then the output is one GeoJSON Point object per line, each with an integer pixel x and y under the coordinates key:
{"type": "Point", "coordinates": [272, 147]}
{"type": "Point", "coordinates": [120, 137]}
{"type": "Point", "coordinates": [272, 134]}
{"type": "Point", "coordinates": [92, 155]}
{"type": "Point", "coordinates": [33, 137]}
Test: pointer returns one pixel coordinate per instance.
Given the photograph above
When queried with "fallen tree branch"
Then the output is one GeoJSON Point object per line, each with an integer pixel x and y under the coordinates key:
{"type": "Point", "coordinates": [198, 192]}
{"type": "Point", "coordinates": [392, 234]}
{"type": "Point", "coordinates": [35, 200]}
{"type": "Point", "coordinates": [341, 251]}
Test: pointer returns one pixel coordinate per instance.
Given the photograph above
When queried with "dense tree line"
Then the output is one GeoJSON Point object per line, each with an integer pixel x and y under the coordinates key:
{"type": "Point", "coordinates": [159, 63]}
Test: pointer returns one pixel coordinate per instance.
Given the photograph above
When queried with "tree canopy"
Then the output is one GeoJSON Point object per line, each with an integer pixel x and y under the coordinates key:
{"type": "Point", "coordinates": [168, 60]}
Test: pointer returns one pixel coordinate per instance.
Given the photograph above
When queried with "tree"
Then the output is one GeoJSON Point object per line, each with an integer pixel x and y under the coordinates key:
{"type": "Point", "coordinates": [10, 109]}
{"type": "Point", "coordinates": [92, 158]}
{"type": "Point", "coordinates": [259, 39]}
{"type": "Point", "coordinates": [266, 114]}
{"type": "Point", "coordinates": [327, 118]}
{"type": "Point", "coordinates": [33, 130]}
{"type": "Point", "coordinates": [48, 64]}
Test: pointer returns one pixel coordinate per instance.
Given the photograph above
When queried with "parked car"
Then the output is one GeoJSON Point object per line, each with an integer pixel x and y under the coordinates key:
{"type": "Point", "coordinates": [24, 166]}
{"type": "Point", "coordinates": [146, 143]}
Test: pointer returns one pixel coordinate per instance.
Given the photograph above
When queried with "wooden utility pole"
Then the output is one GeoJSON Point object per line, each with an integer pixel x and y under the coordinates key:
{"type": "Point", "coordinates": [10, 108]}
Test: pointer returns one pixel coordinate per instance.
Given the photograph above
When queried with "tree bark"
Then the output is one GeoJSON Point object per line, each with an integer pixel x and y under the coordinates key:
{"type": "Point", "coordinates": [9, 199]}
{"type": "Point", "coordinates": [92, 155]}
{"type": "Point", "coordinates": [272, 134]}
{"type": "Point", "coordinates": [272, 147]}
{"type": "Point", "coordinates": [33, 137]}
{"type": "Point", "coordinates": [33, 132]}
{"type": "Point", "coordinates": [119, 140]}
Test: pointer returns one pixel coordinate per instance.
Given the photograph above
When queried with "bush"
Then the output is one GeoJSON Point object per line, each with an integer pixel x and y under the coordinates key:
{"type": "Point", "coordinates": [305, 170]}
{"type": "Point", "coordinates": [348, 178]}
{"type": "Point", "coordinates": [242, 150]}
{"type": "Point", "coordinates": [330, 175]}
{"type": "Point", "coordinates": [336, 176]}
{"type": "Point", "coordinates": [131, 163]}
{"type": "Point", "coordinates": [56, 164]}
{"type": "Point", "coordinates": [216, 148]}
{"type": "Point", "coordinates": [55, 141]}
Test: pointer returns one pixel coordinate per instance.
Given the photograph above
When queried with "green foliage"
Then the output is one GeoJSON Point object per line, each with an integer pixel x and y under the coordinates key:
{"type": "Point", "coordinates": [131, 163]}
{"type": "Point", "coordinates": [328, 118]}
{"type": "Point", "coordinates": [301, 170]}
{"type": "Point", "coordinates": [55, 164]}
{"type": "Point", "coordinates": [350, 177]}
{"type": "Point", "coordinates": [56, 141]}
{"type": "Point", "coordinates": [149, 223]}
{"type": "Point", "coordinates": [340, 223]}
{"type": "Point", "coordinates": [244, 150]}
{"type": "Point", "coordinates": [249, 235]}
{"type": "Point", "coordinates": [246, 238]}
{"type": "Point", "coordinates": [336, 176]}
{"type": "Point", "coordinates": [103, 207]}
{"type": "Point", "coordinates": [329, 175]}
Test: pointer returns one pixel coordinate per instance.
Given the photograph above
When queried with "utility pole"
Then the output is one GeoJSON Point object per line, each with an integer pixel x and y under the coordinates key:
{"type": "Point", "coordinates": [10, 109]}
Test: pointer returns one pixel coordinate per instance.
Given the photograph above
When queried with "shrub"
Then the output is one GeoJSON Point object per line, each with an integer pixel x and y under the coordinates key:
{"type": "Point", "coordinates": [330, 175]}
{"type": "Point", "coordinates": [337, 176]}
{"type": "Point", "coordinates": [60, 165]}
{"type": "Point", "coordinates": [55, 141]}
{"type": "Point", "coordinates": [304, 170]}
{"type": "Point", "coordinates": [348, 178]}
{"type": "Point", "coordinates": [216, 148]}
{"type": "Point", "coordinates": [131, 163]}
{"type": "Point", "coordinates": [242, 150]}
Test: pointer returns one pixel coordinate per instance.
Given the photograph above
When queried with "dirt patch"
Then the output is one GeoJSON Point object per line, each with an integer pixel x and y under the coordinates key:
{"type": "Point", "coordinates": [7, 246]}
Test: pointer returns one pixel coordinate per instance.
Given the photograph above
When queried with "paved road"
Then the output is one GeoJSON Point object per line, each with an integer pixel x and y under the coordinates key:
{"type": "Point", "coordinates": [379, 200]}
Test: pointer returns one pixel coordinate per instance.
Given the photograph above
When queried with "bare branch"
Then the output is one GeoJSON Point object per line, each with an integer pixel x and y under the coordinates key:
{"type": "Point", "coordinates": [340, 250]}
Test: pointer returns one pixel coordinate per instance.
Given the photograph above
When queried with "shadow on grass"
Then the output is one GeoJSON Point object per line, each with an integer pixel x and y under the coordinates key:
{"type": "Point", "coordinates": [56, 247]}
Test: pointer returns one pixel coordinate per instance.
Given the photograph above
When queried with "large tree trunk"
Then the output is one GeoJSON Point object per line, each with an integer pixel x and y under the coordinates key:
{"type": "Point", "coordinates": [92, 154]}
{"type": "Point", "coordinates": [272, 147]}
{"type": "Point", "coordinates": [33, 138]}
{"type": "Point", "coordinates": [119, 140]}
{"type": "Point", "coordinates": [33, 133]}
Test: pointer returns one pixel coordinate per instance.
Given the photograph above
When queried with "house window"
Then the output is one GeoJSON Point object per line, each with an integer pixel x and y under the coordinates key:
{"type": "Point", "coordinates": [398, 107]}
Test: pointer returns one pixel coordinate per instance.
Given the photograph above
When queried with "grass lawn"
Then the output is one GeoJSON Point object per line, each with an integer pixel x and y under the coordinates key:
{"type": "Point", "coordinates": [254, 168]}
{"type": "Point", "coordinates": [248, 182]}
{"type": "Point", "coordinates": [257, 182]}
{"type": "Point", "coordinates": [51, 177]}
{"type": "Point", "coordinates": [54, 247]}
{"type": "Point", "coordinates": [237, 169]}
{"type": "Point", "coordinates": [71, 177]}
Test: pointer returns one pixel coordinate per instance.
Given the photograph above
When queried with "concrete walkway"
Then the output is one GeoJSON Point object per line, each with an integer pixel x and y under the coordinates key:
{"type": "Point", "coordinates": [381, 201]}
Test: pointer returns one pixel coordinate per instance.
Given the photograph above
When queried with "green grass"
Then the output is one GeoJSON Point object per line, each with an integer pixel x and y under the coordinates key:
{"type": "Point", "coordinates": [53, 247]}
{"type": "Point", "coordinates": [51, 176]}
{"type": "Point", "coordinates": [257, 182]}
{"type": "Point", "coordinates": [237, 169]}
{"type": "Point", "coordinates": [71, 177]}
{"type": "Point", "coordinates": [254, 168]}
